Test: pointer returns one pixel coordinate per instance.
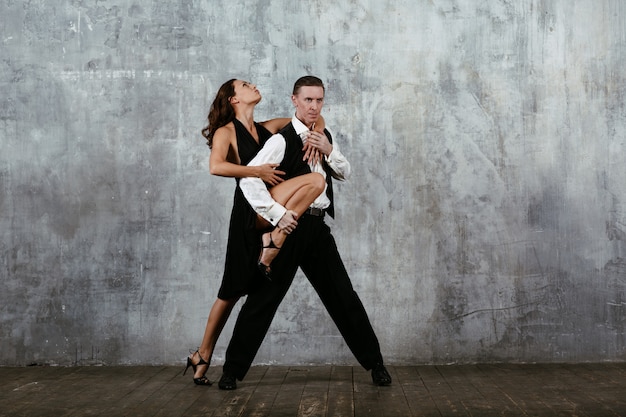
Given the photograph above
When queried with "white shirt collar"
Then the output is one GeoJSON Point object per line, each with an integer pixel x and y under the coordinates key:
{"type": "Point", "coordinates": [298, 125]}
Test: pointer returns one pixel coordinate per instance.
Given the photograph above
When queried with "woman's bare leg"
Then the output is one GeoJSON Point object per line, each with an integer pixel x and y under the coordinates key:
{"type": "Point", "coordinates": [215, 324]}
{"type": "Point", "coordinates": [295, 194]}
{"type": "Point", "coordinates": [299, 193]}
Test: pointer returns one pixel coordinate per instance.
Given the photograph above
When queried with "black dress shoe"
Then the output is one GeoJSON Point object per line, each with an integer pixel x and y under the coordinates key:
{"type": "Point", "coordinates": [227, 382]}
{"type": "Point", "coordinates": [380, 376]}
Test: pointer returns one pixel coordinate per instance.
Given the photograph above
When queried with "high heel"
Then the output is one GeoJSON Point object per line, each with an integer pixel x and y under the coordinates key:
{"type": "Point", "coordinates": [203, 380]}
{"type": "Point", "coordinates": [266, 270]}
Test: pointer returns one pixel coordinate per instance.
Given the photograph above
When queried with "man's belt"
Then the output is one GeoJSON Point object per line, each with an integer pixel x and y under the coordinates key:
{"type": "Point", "coordinates": [315, 212]}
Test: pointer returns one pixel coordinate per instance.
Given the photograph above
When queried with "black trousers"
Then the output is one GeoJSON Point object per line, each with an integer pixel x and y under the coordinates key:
{"type": "Point", "coordinates": [312, 248]}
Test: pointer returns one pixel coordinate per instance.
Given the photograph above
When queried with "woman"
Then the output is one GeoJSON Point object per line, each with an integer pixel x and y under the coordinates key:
{"type": "Point", "coordinates": [235, 138]}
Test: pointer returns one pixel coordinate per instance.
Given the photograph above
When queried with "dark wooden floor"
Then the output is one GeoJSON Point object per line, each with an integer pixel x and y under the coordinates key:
{"type": "Point", "coordinates": [472, 390]}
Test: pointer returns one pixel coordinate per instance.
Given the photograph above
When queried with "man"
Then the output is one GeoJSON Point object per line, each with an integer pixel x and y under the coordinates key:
{"type": "Point", "coordinates": [310, 246]}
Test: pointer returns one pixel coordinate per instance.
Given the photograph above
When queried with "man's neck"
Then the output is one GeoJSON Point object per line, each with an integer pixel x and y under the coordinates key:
{"type": "Point", "coordinates": [308, 126]}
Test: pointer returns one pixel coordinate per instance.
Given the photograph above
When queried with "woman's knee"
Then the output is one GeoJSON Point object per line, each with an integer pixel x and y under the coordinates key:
{"type": "Point", "coordinates": [318, 181]}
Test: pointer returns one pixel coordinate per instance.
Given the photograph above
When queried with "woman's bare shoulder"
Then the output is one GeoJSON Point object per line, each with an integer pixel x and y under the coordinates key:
{"type": "Point", "coordinates": [226, 132]}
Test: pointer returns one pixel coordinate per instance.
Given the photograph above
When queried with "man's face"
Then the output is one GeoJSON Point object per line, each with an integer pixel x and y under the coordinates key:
{"type": "Point", "coordinates": [308, 102]}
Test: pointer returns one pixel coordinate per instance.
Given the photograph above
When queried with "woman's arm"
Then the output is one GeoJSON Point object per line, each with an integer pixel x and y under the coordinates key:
{"type": "Point", "coordinates": [274, 125]}
{"type": "Point", "coordinates": [223, 154]}
{"type": "Point", "coordinates": [311, 155]}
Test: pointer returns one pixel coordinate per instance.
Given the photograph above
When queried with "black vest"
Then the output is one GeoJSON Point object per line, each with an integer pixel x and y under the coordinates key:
{"type": "Point", "coordinates": [294, 166]}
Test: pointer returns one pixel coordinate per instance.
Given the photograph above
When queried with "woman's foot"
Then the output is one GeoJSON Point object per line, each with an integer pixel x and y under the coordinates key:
{"type": "Point", "coordinates": [200, 367]}
{"type": "Point", "coordinates": [268, 253]}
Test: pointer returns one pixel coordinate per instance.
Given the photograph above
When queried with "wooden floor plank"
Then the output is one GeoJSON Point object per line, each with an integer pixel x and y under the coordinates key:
{"type": "Point", "coordinates": [441, 392]}
{"type": "Point", "coordinates": [318, 379]}
{"type": "Point", "coordinates": [259, 404]}
{"type": "Point", "coordinates": [287, 401]}
{"type": "Point", "coordinates": [313, 404]}
{"type": "Point", "coordinates": [341, 379]}
{"type": "Point", "coordinates": [481, 397]}
{"type": "Point", "coordinates": [340, 403]}
{"type": "Point", "coordinates": [484, 390]}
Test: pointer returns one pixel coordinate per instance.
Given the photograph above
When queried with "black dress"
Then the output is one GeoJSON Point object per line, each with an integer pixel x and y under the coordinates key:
{"type": "Point", "coordinates": [244, 241]}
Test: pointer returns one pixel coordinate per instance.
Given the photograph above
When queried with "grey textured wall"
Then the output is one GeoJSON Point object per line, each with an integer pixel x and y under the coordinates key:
{"type": "Point", "coordinates": [485, 220]}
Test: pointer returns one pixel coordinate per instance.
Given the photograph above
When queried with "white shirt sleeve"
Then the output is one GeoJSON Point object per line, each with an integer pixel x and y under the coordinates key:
{"type": "Point", "coordinates": [338, 163]}
{"type": "Point", "coordinates": [255, 190]}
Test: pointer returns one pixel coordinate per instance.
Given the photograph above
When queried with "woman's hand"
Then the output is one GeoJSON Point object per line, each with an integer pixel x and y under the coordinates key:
{"type": "Point", "coordinates": [288, 222]}
{"type": "Point", "coordinates": [315, 146]}
{"type": "Point", "coordinates": [269, 174]}
{"type": "Point", "coordinates": [311, 155]}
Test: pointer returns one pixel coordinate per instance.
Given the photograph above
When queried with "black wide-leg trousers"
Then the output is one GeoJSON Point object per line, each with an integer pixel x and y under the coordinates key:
{"type": "Point", "coordinates": [312, 248]}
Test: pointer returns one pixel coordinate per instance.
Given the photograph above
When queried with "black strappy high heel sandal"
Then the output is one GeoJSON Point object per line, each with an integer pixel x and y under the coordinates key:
{"type": "Point", "coordinates": [266, 270]}
{"type": "Point", "coordinates": [203, 380]}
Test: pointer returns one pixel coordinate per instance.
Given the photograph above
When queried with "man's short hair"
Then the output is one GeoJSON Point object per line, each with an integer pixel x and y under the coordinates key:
{"type": "Point", "coordinates": [307, 81]}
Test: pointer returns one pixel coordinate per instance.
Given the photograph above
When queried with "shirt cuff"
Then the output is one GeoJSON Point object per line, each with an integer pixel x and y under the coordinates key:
{"type": "Point", "coordinates": [274, 214]}
{"type": "Point", "coordinates": [332, 153]}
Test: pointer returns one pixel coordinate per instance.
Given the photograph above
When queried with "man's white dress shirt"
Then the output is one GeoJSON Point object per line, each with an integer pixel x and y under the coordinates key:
{"type": "Point", "coordinates": [255, 190]}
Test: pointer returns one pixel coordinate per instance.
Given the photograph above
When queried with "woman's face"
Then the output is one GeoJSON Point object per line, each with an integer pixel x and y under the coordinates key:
{"type": "Point", "coordinates": [246, 92]}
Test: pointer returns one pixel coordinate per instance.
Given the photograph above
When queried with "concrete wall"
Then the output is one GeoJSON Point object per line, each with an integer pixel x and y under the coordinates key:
{"type": "Point", "coordinates": [485, 220]}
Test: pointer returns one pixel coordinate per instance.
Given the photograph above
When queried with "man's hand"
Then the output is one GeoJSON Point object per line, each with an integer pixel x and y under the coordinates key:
{"type": "Point", "coordinates": [315, 146]}
{"type": "Point", "coordinates": [288, 222]}
{"type": "Point", "coordinates": [269, 174]}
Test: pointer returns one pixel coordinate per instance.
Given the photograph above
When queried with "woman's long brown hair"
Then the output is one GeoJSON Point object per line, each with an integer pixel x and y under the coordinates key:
{"type": "Point", "coordinates": [221, 112]}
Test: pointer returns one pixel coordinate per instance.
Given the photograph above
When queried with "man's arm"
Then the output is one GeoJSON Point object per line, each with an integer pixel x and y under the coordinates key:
{"type": "Point", "coordinates": [337, 162]}
{"type": "Point", "coordinates": [255, 190]}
